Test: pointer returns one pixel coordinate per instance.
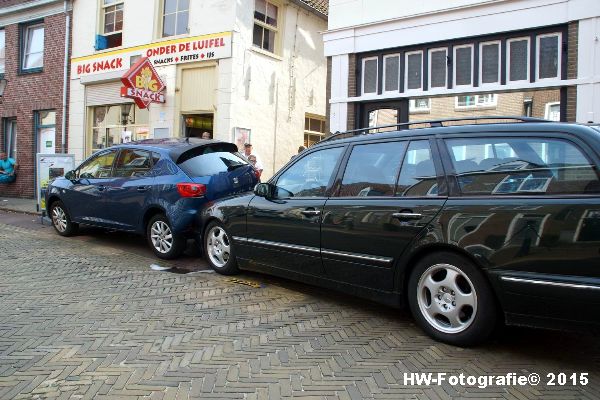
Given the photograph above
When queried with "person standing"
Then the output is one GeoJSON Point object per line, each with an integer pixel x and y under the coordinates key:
{"type": "Point", "coordinates": [253, 158]}
{"type": "Point", "coordinates": [8, 169]}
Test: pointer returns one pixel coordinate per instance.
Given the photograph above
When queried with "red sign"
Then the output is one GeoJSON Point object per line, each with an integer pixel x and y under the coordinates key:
{"type": "Point", "coordinates": [143, 84]}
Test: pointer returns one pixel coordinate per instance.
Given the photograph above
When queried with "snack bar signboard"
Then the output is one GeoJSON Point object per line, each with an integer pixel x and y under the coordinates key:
{"type": "Point", "coordinates": [168, 52]}
{"type": "Point", "coordinates": [142, 84]}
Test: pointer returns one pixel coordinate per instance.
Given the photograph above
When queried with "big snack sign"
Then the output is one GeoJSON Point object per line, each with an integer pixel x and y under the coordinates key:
{"type": "Point", "coordinates": [168, 52]}
{"type": "Point", "coordinates": [142, 84]}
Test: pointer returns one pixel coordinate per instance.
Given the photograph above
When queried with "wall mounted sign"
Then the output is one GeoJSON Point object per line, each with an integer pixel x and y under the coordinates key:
{"type": "Point", "coordinates": [168, 52]}
{"type": "Point", "coordinates": [142, 84]}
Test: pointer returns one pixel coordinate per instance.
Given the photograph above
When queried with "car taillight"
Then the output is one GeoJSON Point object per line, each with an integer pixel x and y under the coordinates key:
{"type": "Point", "coordinates": [191, 189]}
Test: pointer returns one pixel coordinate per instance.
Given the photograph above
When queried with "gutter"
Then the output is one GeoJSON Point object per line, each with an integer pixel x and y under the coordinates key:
{"type": "Point", "coordinates": [65, 77]}
{"type": "Point", "coordinates": [25, 6]}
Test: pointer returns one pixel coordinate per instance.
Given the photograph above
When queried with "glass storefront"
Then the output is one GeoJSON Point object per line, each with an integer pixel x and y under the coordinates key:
{"type": "Point", "coordinates": [115, 124]}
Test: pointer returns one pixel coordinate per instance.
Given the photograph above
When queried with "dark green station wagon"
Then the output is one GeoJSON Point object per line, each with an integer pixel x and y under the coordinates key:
{"type": "Point", "coordinates": [470, 225]}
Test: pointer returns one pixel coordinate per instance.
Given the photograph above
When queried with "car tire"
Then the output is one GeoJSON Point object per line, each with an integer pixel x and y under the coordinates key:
{"type": "Point", "coordinates": [219, 250]}
{"type": "Point", "coordinates": [451, 300]}
{"type": "Point", "coordinates": [163, 242]}
{"type": "Point", "coordinates": [61, 219]}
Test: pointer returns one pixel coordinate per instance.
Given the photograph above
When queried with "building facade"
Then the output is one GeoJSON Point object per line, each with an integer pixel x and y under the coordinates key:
{"type": "Point", "coordinates": [397, 62]}
{"type": "Point", "coordinates": [33, 61]}
{"type": "Point", "coordinates": [250, 71]}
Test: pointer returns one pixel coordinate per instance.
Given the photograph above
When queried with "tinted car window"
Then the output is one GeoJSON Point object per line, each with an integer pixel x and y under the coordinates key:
{"type": "Point", "coordinates": [98, 167]}
{"type": "Point", "coordinates": [310, 175]}
{"type": "Point", "coordinates": [212, 163]}
{"type": "Point", "coordinates": [132, 162]}
{"type": "Point", "coordinates": [521, 166]}
{"type": "Point", "coordinates": [417, 175]}
{"type": "Point", "coordinates": [372, 169]}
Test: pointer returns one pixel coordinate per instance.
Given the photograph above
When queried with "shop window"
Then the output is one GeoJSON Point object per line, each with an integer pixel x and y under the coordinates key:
{"type": "Point", "coordinates": [518, 60]}
{"type": "Point", "coordinates": [548, 56]}
{"type": "Point", "coordinates": [112, 25]}
{"type": "Point", "coordinates": [370, 75]}
{"type": "Point", "coordinates": [10, 137]}
{"type": "Point", "coordinates": [489, 62]}
{"type": "Point", "coordinates": [265, 25]}
{"type": "Point", "coordinates": [438, 68]}
{"type": "Point", "coordinates": [2, 51]}
{"type": "Point", "coordinates": [391, 73]}
{"type": "Point", "coordinates": [314, 129]}
{"type": "Point", "coordinates": [414, 70]}
{"type": "Point", "coordinates": [463, 65]}
{"type": "Point", "coordinates": [115, 124]}
{"type": "Point", "coordinates": [175, 17]}
{"type": "Point", "coordinates": [480, 100]}
{"type": "Point", "coordinates": [45, 131]}
{"type": "Point", "coordinates": [32, 47]}
{"type": "Point", "coordinates": [419, 105]}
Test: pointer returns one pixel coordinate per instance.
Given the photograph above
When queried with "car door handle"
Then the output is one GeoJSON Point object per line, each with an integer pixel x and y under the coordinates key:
{"type": "Point", "coordinates": [142, 189]}
{"type": "Point", "coordinates": [403, 216]}
{"type": "Point", "coordinates": [101, 188]}
{"type": "Point", "coordinates": [311, 212]}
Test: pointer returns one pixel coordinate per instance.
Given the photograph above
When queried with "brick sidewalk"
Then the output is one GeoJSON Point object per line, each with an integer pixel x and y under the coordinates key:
{"type": "Point", "coordinates": [82, 320]}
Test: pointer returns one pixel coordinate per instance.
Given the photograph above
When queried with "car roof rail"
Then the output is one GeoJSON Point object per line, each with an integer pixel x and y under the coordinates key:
{"type": "Point", "coordinates": [434, 123]}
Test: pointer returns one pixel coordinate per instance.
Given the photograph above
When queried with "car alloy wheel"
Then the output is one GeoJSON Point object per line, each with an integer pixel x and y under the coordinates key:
{"type": "Point", "coordinates": [59, 219]}
{"type": "Point", "coordinates": [161, 237]}
{"type": "Point", "coordinates": [218, 246]}
{"type": "Point", "coordinates": [447, 298]}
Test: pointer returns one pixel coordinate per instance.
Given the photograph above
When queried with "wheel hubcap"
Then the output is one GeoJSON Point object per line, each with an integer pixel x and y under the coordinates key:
{"type": "Point", "coordinates": [218, 247]}
{"type": "Point", "coordinates": [447, 298]}
{"type": "Point", "coordinates": [59, 218]}
{"type": "Point", "coordinates": [161, 236]}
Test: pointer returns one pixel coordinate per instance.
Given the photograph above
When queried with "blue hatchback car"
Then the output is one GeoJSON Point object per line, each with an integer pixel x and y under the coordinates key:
{"type": "Point", "coordinates": [151, 187]}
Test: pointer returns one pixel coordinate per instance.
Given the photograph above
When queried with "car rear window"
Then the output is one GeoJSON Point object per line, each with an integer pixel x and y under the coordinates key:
{"type": "Point", "coordinates": [210, 161]}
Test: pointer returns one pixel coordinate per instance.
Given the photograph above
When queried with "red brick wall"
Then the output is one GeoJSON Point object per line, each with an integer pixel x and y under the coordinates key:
{"type": "Point", "coordinates": [27, 93]}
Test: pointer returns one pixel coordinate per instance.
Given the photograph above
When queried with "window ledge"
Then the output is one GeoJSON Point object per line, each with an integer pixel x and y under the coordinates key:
{"type": "Point", "coordinates": [30, 71]}
{"type": "Point", "coordinates": [266, 53]}
{"type": "Point", "coordinates": [172, 37]}
{"type": "Point", "coordinates": [475, 108]}
{"type": "Point", "coordinates": [412, 112]}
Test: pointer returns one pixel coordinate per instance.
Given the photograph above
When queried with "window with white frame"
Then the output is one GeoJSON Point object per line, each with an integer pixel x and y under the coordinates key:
{"type": "Point", "coordinates": [479, 100]}
{"type": "Point", "coordinates": [438, 68]}
{"type": "Point", "coordinates": [369, 75]}
{"type": "Point", "coordinates": [552, 111]}
{"type": "Point", "coordinates": [391, 73]}
{"type": "Point", "coordinates": [265, 25]}
{"type": "Point", "coordinates": [419, 105]}
{"type": "Point", "coordinates": [414, 70]}
{"type": "Point", "coordinates": [32, 56]}
{"type": "Point", "coordinates": [548, 56]}
{"type": "Point", "coordinates": [112, 23]}
{"type": "Point", "coordinates": [175, 17]}
{"type": "Point", "coordinates": [489, 63]}
{"type": "Point", "coordinates": [2, 51]}
{"type": "Point", "coordinates": [463, 65]}
{"type": "Point", "coordinates": [517, 60]}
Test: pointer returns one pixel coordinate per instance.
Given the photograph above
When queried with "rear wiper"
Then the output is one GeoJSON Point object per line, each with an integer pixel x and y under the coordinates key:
{"type": "Point", "coordinates": [232, 167]}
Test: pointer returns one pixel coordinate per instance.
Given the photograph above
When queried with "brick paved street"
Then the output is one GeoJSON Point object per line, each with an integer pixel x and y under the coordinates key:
{"type": "Point", "coordinates": [83, 318]}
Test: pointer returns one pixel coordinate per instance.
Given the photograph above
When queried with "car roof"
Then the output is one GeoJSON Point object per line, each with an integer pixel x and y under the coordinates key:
{"type": "Point", "coordinates": [582, 130]}
{"type": "Point", "coordinates": [175, 147]}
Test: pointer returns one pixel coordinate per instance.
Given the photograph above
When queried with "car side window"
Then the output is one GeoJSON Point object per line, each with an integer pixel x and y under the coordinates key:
{"type": "Point", "coordinates": [310, 175]}
{"type": "Point", "coordinates": [132, 163]}
{"type": "Point", "coordinates": [417, 175]}
{"type": "Point", "coordinates": [98, 167]}
{"type": "Point", "coordinates": [372, 169]}
{"type": "Point", "coordinates": [521, 166]}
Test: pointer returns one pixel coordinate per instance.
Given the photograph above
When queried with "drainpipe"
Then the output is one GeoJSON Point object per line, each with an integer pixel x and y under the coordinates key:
{"type": "Point", "coordinates": [65, 78]}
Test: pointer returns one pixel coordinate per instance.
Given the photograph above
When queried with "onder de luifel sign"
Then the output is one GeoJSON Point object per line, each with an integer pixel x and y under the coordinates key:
{"type": "Point", "coordinates": [143, 84]}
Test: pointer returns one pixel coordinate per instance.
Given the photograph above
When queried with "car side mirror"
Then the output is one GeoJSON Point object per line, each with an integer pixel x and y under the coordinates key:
{"type": "Point", "coordinates": [265, 190]}
{"type": "Point", "coordinates": [71, 175]}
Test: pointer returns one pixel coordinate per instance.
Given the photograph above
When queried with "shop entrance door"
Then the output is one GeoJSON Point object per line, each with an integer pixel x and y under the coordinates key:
{"type": "Point", "coordinates": [194, 125]}
{"type": "Point", "coordinates": [383, 113]}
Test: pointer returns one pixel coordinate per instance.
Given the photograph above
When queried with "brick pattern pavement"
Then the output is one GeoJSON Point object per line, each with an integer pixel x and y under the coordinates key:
{"type": "Point", "coordinates": [85, 321]}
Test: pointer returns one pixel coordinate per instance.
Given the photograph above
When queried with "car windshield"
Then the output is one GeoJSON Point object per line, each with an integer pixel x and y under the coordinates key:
{"type": "Point", "coordinates": [212, 163]}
